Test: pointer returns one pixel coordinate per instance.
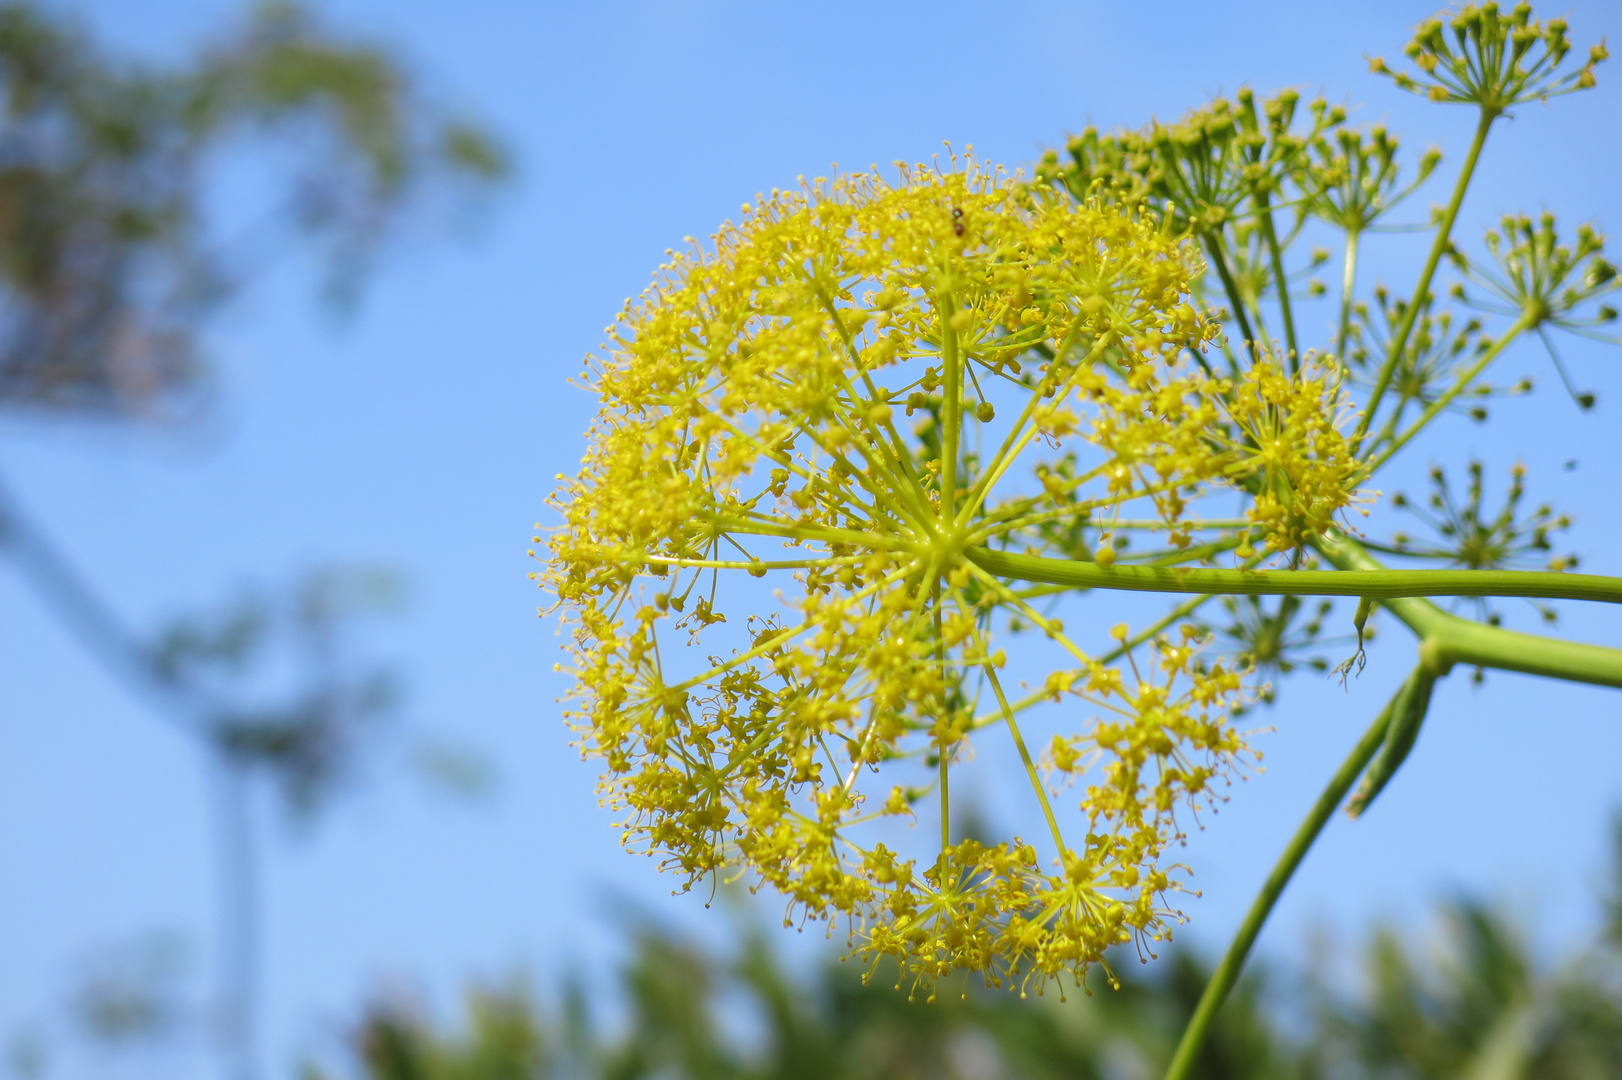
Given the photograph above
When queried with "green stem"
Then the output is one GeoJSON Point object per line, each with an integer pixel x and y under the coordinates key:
{"type": "Point", "coordinates": [1444, 230]}
{"type": "Point", "coordinates": [944, 749]}
{"type": "Point", "coordinates": [1275, 255]}
{"type": "Point", "coordinates": [1231, 287]}
{"type": "Point", "coordinates": [1347, 281]}
{"type": "Point", "coordinates": [1379, 584]}
{"type": "Point", "coordinates": [1227, 972]}
{"type": "Point", "coordinates": [1461, 384]}
{"type": "Point", "coordinates": [1025, 756]}
{"type": "Point", "coordinates": [951, 412]}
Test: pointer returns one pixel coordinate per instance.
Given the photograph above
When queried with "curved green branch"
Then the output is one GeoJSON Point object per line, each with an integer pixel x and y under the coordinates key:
{"type": "Point", "coordinates": [1227, 973]}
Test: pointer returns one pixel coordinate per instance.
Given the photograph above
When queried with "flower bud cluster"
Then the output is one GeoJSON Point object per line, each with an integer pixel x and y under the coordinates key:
{"type": "Point", "coordinates": [1353, 179]}
{"type": "Point", "coordinates": [1541, 279]}
{"type": "Point", "coordinates": [1482, 56]}
{"type": "Point", "coordinates": [1206, 170]}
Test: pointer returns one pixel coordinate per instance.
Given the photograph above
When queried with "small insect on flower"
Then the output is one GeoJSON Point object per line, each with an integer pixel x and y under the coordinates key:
{"type": "Point", "coordinates": [754, 425]}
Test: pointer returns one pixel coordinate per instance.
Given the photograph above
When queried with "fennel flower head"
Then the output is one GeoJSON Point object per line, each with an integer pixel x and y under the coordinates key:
{"type": "Point", "coordinates": [783, 649]}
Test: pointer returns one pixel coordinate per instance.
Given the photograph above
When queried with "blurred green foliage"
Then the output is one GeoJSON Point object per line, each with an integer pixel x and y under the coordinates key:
{"type": "Point", "coordinates": [282, 690]}
{"type": "Point", "coordinates": [109, 192]}
{"type": "Point", "coordinates": [1472, 1000]}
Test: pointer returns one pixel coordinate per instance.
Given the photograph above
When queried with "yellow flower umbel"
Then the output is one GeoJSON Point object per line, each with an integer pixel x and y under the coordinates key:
{"type": "Point", "coordinates": [853, 390]}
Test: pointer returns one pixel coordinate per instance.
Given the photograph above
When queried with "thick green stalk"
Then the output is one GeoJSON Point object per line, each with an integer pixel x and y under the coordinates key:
{"type": "Point", "coordinates": [1444, 230]}
{"type": "Point", "coordinates": [1379, 584]}
{"type": "Point", "coordinates": [1452, 640]}
{"type": "Point", "coordinates": [1227, 972]}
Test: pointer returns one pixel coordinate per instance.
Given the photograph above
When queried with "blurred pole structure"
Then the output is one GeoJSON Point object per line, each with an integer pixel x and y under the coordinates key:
{"type": "Point", "coordinates": [198, 714]}
{"type": "Point", "coordinates": [237, 975]}
{"type": "Point", "coordinates": [94, 622]}
{"type": "Point", "coordinates": [110, 267]}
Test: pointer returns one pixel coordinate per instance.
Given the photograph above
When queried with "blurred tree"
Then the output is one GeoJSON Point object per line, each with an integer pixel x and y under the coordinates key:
{"type": "Point", "coordinates": [683, 1008]}
{"type": "Point", "coordinates": [131, 993]}
{"type": "Point", "coordinates": [1479, 1008]}
{"type": "Point", "coordinates": [107, 264]}
{"type": "Point", "coordinates": [111, 261]}
{"type": "Point", "coordinates": [1476, 1006]}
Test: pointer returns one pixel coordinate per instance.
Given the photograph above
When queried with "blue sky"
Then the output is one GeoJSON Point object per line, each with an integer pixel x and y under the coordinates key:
{"type": "Point", "coordinates": [424, 434]}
